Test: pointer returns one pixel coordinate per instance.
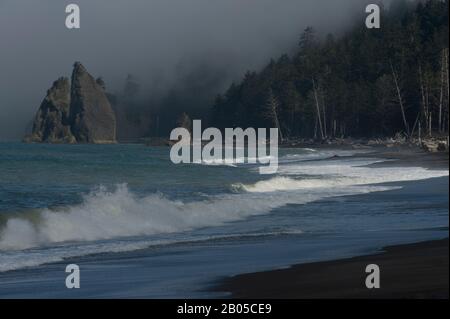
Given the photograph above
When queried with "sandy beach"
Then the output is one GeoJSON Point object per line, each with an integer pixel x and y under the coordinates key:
{"type": "Point", "coordinates": [394, 156]}
{"type": "Point", "coordinates": [407, 271]}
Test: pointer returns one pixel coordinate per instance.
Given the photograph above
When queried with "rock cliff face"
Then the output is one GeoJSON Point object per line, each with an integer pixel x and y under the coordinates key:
{"type": "Point", "coordinates": [92, 117]}
{"type": "Point", "coordinates": [80, 113]}
{"type": "Point", "coordinates": [52, 123]}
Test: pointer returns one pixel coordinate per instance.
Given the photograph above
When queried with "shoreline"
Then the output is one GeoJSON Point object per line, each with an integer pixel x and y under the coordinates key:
{"type": "Point", "coordinates": [415, 270]}
{"type": "Point", "coordinates": [411, 271]}
{"type": "Point", "coordinates": [397, 156]}
{"type": "Point", "coordinates": [409, 156]}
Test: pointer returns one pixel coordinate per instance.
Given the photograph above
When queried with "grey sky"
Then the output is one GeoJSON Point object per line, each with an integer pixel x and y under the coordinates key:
{"type": "Point", "coordinates": [147, 38]}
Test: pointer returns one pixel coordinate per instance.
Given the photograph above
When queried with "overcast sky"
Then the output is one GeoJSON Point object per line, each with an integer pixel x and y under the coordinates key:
{"type": "Point", "coordinates": [148, 38]}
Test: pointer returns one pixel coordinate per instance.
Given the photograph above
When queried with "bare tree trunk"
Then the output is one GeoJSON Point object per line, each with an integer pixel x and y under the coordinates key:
{"type": "Point", "coordinates": [277, 123]}
{"type": "Point", "coordinates": [325, 133]}
{"type": "Point", "coordinates": [427, 99]}
{"type": "Point", "coordinates": [315, 128]}
{"type": "Point", "coordinates": [441, 96]}
{"type": "Point", "coordinates": [292, 122]}
{"type": "Point", "coordinates": [271, 112]}
{"type": "Point", "coordinates": [422, 91]}
{"type": "Point", "coordinates": [429, 125]}
{"type": "Point", "coordinates": [446, 70]}
{"type": "Point", "coordinates": [334, 128]}
{"type": "Point", "coordinates": [343, 129]}
{"type": "Point", "coordinates": [427, 102]}
{"type": "Point", "coordinates": [415, 124]}
{"type": "Point", "coordinates": [420, 133]}
{"type": "Point", "coordinates": [318, 109]}
{"type": "Point", "coordinates": [400, 100]}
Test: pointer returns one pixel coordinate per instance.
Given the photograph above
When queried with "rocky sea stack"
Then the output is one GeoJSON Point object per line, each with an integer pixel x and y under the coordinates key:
{"type": "Point", "coordinates": [76, 112]}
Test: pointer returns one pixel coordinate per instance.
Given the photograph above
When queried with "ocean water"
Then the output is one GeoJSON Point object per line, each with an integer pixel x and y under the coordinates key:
{"type": "Point", "coordinates": [140, 226]}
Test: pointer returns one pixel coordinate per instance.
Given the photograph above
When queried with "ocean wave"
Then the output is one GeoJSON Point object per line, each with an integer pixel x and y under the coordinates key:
{"type": "Point", "coordinates": [341, 174]}
{"type": "Point", "coordinates": [105, 215]}
{"type": "Point", "coordinates": [304, 154]}
{"type": "Point", "coordinates": [44, 235]}
{"type": "Point", "coordinates": [282, 183]}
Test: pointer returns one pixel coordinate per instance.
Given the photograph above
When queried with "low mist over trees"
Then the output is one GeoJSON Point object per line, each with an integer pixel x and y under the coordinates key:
{"type": "Point", "coordinates": [367, 82]}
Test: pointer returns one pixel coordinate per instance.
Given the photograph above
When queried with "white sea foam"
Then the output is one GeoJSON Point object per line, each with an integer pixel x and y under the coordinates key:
{"type": "Point", "coordinates": [234, 162]}
{"type": "Point", "coordinates": [338, 174]}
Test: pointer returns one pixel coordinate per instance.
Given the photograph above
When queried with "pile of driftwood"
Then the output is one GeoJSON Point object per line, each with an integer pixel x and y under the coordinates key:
{"type": "Point", "coordinates": [429, 144]}
{"type": "Point", "coordinates": [435, 145]}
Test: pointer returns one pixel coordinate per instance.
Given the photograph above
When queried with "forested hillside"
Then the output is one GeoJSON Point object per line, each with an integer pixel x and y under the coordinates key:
{"type": "Point", "coordinates": [364, 83]}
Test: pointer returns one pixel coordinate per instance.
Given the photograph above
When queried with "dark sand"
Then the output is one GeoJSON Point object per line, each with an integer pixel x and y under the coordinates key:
{"type": "Point", "coordinates": [410, 156]}
{"type": "Point", "coordinates": [407, 271]}
{"type": "Point", "coordinates": [399, 156]}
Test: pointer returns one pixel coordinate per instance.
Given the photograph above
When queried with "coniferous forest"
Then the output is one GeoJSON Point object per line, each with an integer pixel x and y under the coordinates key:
{"type": "Point", "coordinates": [364, 83]}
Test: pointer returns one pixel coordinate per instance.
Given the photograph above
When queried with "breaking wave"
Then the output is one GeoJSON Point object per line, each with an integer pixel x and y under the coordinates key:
{"type": "Point", "coordinates": [329, 175]}
{"type": "Point", "coordinates": [115, 214]}
{"type": "Point", "coordinates": [105, 215]}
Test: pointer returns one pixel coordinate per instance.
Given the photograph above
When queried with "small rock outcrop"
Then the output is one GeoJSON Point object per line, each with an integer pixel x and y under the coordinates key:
{"type": "Point", "coordinates": [184, 121]}
{"type": "Point", "coordinates": [75, 113]}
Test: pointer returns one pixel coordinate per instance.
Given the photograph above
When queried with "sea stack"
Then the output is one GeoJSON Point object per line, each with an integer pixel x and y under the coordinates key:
{"type": "Point", "coordinates": [93, 119]}
{"type": "Point", "coordinates": [81, 114]}
{"type": "Point", "coordinates": [52, 121]}
{"type": "Point", "coordinates": [185, 121]}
